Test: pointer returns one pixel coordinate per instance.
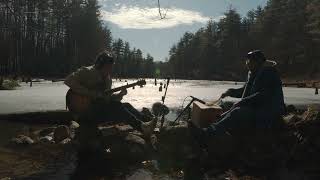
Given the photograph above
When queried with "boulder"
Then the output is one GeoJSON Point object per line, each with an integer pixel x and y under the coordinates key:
{"type": "Point", "coordinates": [22, 140]}
{"type": "Point", "coordinates": [158, 109]}
{"type": "Point", "coordinates": [74, 125]}
{"type": "Point", "coordinates": [291, 118]}
{"type": "Point", "coordinates": [65, 141]}
{"type": "Point", "coordinates": [124, 128]}
{"type": "Point", "coordinates": [46, 131]}
{"type": "Point", "coordinates": [6, 178]}
{"type": "Point", "coordinates": [46, 139]}
{"type": "Point", "coordinates": [136, 148]}
{"type": "Point", "coordinates": [60, 133]}
{"type": "Point", "coordinates": [311, 114]}
{"type": "Point", "coordinates": [108, 131]}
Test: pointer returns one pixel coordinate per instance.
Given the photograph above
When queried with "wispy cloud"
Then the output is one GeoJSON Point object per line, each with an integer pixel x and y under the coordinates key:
{"type": "Point", "coordinates": [135, 17]}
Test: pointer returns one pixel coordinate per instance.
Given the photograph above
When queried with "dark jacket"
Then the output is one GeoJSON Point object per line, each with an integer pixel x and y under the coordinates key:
{"type": "Point", "coordinates": [262, 92]}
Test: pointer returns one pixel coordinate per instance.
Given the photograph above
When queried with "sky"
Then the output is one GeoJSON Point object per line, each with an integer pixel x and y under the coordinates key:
{"type": "Point", "coordinates": [138, 21]}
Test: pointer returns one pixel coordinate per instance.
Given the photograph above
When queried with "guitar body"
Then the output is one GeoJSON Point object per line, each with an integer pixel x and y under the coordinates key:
{"type": "Point", "coordinates": [77, 103]}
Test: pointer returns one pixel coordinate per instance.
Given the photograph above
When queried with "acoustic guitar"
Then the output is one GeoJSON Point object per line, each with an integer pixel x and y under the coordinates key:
{"type": "Point", "coordinates": [77, 103]}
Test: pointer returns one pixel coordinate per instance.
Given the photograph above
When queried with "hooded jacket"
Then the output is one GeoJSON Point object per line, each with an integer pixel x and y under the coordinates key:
{"type": "Point", "coordinates": [262, 92]}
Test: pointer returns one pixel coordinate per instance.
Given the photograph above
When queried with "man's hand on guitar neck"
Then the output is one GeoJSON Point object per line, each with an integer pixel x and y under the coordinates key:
{"type": "Point", "coordinates": [119, 96]}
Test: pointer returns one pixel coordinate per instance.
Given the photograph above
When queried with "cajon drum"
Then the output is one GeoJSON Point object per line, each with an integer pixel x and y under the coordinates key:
{"type": "Point", "coordinates": [203, 115]}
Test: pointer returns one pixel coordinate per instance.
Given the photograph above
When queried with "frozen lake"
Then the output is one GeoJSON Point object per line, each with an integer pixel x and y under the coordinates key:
{"type": "Point", "coordinates": [51, 96]}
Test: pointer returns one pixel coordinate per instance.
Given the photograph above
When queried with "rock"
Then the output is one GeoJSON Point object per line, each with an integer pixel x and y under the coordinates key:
{"type": "Point", "coordinates": [141, 174]}
{"type": "Point", "coordinates": [131, 138]}
{"type": "Point", "coordinates": [124, 128]}
{"type": "Point", "coordinates": [60, 133]}
{"type": "Point", "coordinates": [108, 131]}
{"type": "Point", "coordinates": [65, 141]}
{"type": "Point", "coordinates": [291, 118]}
{"type": "Point", "coordinates": [136, 147]}
{"type": "Point", "coordinates": [74, 125]}
{"type": "Point", "coordinates": [46, 140]}
{"type": "Point", "coordinates": [46, 131]}
{"type": "Point", "coordinates": [158, 109]}
{"type": "Point", "coordinates": [311, 114]}
{"type": "Point", "coordinates": [6, 178]}
{"type": "Point", "coordinates": [137, 133]}
{"type": "Point", "coordinates": [116, 130]}
{"type": "Point", "coordinates": [22, 140]}
{"type": "Point", "coordinates": [130, 149]}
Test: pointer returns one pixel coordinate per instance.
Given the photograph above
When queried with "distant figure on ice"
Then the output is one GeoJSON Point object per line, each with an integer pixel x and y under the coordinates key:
{"type": "Point", "coordinates": [160, 88]}
{"type": "Point", "coordinates": [261, 104]}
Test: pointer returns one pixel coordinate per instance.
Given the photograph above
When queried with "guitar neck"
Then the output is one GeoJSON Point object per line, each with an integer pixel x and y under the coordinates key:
{"type": "Point", "coordinates": [122, 87]}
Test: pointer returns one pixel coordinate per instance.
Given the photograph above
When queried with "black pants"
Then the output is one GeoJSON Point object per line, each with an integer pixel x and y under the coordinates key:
{"type": "Point", "coordinates": [116, 112]}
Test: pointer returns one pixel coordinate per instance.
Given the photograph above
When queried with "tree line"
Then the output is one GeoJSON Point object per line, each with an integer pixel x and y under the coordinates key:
{"type": "Point", "coordinates": [288, 31]}
{"type": "Point", "coordinates": [54, 37]}
{"type": "Point", "coordinates": [131, 62]}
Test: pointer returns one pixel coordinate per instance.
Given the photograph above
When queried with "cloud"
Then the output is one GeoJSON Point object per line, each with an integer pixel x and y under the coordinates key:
{"type": "Point", "coordinates": [135, 17]}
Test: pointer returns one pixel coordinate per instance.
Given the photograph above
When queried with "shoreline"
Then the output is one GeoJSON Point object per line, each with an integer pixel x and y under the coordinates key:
{"type": "Point", "coordinates": [58, 115]}
{"type": "Point", "coordinates": [312, 83]}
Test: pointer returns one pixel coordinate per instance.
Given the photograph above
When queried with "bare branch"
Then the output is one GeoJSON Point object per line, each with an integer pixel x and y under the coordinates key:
{"type": "Point", "coordinates": [162, 16]}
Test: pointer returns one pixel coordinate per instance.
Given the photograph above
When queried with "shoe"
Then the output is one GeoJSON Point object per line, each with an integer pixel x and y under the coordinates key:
{"type": "Point", "coordinates": [148, 127]}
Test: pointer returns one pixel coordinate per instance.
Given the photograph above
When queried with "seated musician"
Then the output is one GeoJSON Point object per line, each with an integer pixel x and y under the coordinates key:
{"type": "Point", "coordinates": [92, 82]}
{"type": "Point", "coordinates": [261, 104]}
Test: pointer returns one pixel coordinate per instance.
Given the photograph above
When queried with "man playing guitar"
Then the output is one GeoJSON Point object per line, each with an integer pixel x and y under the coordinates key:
{"type": "Point", "coordinates": [92, 84]}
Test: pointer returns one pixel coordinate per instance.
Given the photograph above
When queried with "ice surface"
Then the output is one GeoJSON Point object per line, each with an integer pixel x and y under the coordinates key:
{"type": "Point", "coordinates": [46, 95]}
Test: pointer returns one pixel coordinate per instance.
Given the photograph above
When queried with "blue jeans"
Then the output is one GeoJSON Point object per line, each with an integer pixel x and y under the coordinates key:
{"type": "Point", "coordinates": [240, 119]}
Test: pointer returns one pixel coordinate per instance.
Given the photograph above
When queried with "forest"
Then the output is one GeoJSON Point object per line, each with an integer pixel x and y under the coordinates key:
{"type": "Point", "coordinates": [54, 37]}
{"type": "Point", "coordinates": [288, 31]}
